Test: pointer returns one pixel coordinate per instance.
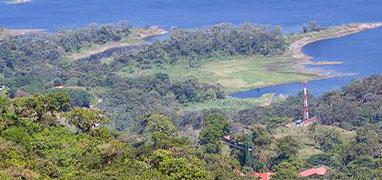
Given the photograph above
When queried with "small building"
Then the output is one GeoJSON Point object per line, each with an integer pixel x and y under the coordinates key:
{"type": "Point", "coordinates": [299, 123]}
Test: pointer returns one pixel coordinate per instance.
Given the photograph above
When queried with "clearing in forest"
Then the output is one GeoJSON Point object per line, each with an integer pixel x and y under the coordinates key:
{"type": "Point", "coordinates": [234, 73]}
{"type": "Point", "coordinates": [305, 137]}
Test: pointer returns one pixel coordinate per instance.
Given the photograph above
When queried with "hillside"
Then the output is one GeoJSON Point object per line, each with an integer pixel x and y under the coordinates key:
{"type": "Point", "coordinates": [47, 136]}
{"type": "Point", "coordinates": [72, 107]}
{"type": "Point", "coordinates": [44, 137]}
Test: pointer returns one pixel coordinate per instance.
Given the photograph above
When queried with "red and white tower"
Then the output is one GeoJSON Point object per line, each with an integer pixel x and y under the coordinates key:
{"type": "Point", "coordinates": [306, 107]}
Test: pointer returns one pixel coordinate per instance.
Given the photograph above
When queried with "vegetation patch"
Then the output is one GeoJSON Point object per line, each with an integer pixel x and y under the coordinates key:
{"type": "Point", "coordinates": [229, 104]}
{"type": "Point", "coordinates": [234, 73]}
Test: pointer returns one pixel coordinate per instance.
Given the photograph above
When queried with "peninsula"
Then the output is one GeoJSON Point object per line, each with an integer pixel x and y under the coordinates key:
{"type": "Point", "coordinates": [240, 73]}
{"type": "Point", "coordinates": [299, 41]}
{"type": "Point", "coordinates": [295, 48]}
{"type": "Point", "coordinates": [137, 37]}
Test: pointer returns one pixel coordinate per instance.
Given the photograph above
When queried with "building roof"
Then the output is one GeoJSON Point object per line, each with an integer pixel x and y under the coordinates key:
{"type": "Point", "coordinates": [263, 176]}
{"type": "Point", "coordinates": [314, 171]}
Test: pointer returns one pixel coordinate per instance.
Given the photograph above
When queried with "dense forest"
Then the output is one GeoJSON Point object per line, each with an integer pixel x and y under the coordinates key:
{"type": "Point", "coordinates": [72, 119]}
{"type": "Point", "coordinates": [45, 136]}
{"type": "Point", "coordinates": [37, 60]}
{"type": "Point", "coordinates": [222, 40]}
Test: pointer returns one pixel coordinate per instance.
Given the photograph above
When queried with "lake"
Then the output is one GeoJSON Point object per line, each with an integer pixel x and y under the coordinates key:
{"type": "Point", "coordinates": [361, 53]}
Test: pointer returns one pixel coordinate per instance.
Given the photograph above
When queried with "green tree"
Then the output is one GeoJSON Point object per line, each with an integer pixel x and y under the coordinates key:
{"type": "Point", "coordinates": [178, 168]}
{"type": "Point", "coordinates": [322, 159]}
{"type": "Point", "coordinates": [214, 128]}
{"type": "Point", "coordinates": [158, 123]}
{"type": "Point", "coordinates": [160, 132]}
{"type": "Point", "coordinates": [326, 139]}
{"type": "Point", "coordinates": [86, 119]}
{"type": "Point", "coordinates": [287, 169]}
{"type": "Point", "coordinates": [287, 147]}
{"type": "Point", "coordinates": [37, 106]}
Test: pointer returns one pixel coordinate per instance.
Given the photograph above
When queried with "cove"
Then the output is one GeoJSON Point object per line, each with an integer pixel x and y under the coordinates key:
{"type": "Point", "coordinates": [360, 53]}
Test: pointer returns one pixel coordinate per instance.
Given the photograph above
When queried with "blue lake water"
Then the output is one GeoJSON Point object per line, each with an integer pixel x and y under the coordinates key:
{"type": "Point", "coordinates": [361, 53]}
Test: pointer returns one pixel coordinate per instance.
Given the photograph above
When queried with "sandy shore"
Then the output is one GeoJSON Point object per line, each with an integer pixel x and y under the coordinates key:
{"type": "Point", "coordinates": [296, 47]}
{"type": "Point", "coordinates": [18, 32]}
{"type": "Point", "coordinates": [335, 32]}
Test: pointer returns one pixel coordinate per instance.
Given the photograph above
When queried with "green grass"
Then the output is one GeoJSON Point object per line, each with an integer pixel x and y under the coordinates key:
{"type": "Point", "coordinates": [234, 73]}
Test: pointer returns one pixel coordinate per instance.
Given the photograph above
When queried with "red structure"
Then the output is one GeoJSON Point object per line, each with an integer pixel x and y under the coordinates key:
{"type": "Point", "coordinates": [321, 171]}
{"type": "Point", "coordinates": [306, 118]}
{"type": "Point", "coordinates": [263, 176]}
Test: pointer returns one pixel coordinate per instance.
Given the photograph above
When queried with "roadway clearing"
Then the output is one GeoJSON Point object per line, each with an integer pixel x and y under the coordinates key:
{"type": "Point", "coordinates": [136, 37]}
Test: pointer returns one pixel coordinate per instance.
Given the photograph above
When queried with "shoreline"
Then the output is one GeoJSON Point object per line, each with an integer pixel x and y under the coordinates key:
{"type": "Point", "coordinates": [296, 54]}
{"type": "Point", "coordinates": [20, 32]}
{"type": "Point", "coordinates": [295, 49]}
{"type": "Point", "coordinates": [139, 37]}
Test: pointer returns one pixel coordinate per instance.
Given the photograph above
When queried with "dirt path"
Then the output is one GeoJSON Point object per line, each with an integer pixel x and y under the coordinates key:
{"type": "Point", "coordinates": [99, 49]}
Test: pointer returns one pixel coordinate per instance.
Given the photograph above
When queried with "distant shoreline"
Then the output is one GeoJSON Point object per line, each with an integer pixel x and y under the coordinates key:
{"type": "Point", "coordinates": [18, 32]}
{"type": "Point", "coordinates": [17, 1]}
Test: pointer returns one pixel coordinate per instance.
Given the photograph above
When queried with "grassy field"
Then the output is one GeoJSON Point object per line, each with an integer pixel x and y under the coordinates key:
{"type": "Point", "coordinates": [235, 73]}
